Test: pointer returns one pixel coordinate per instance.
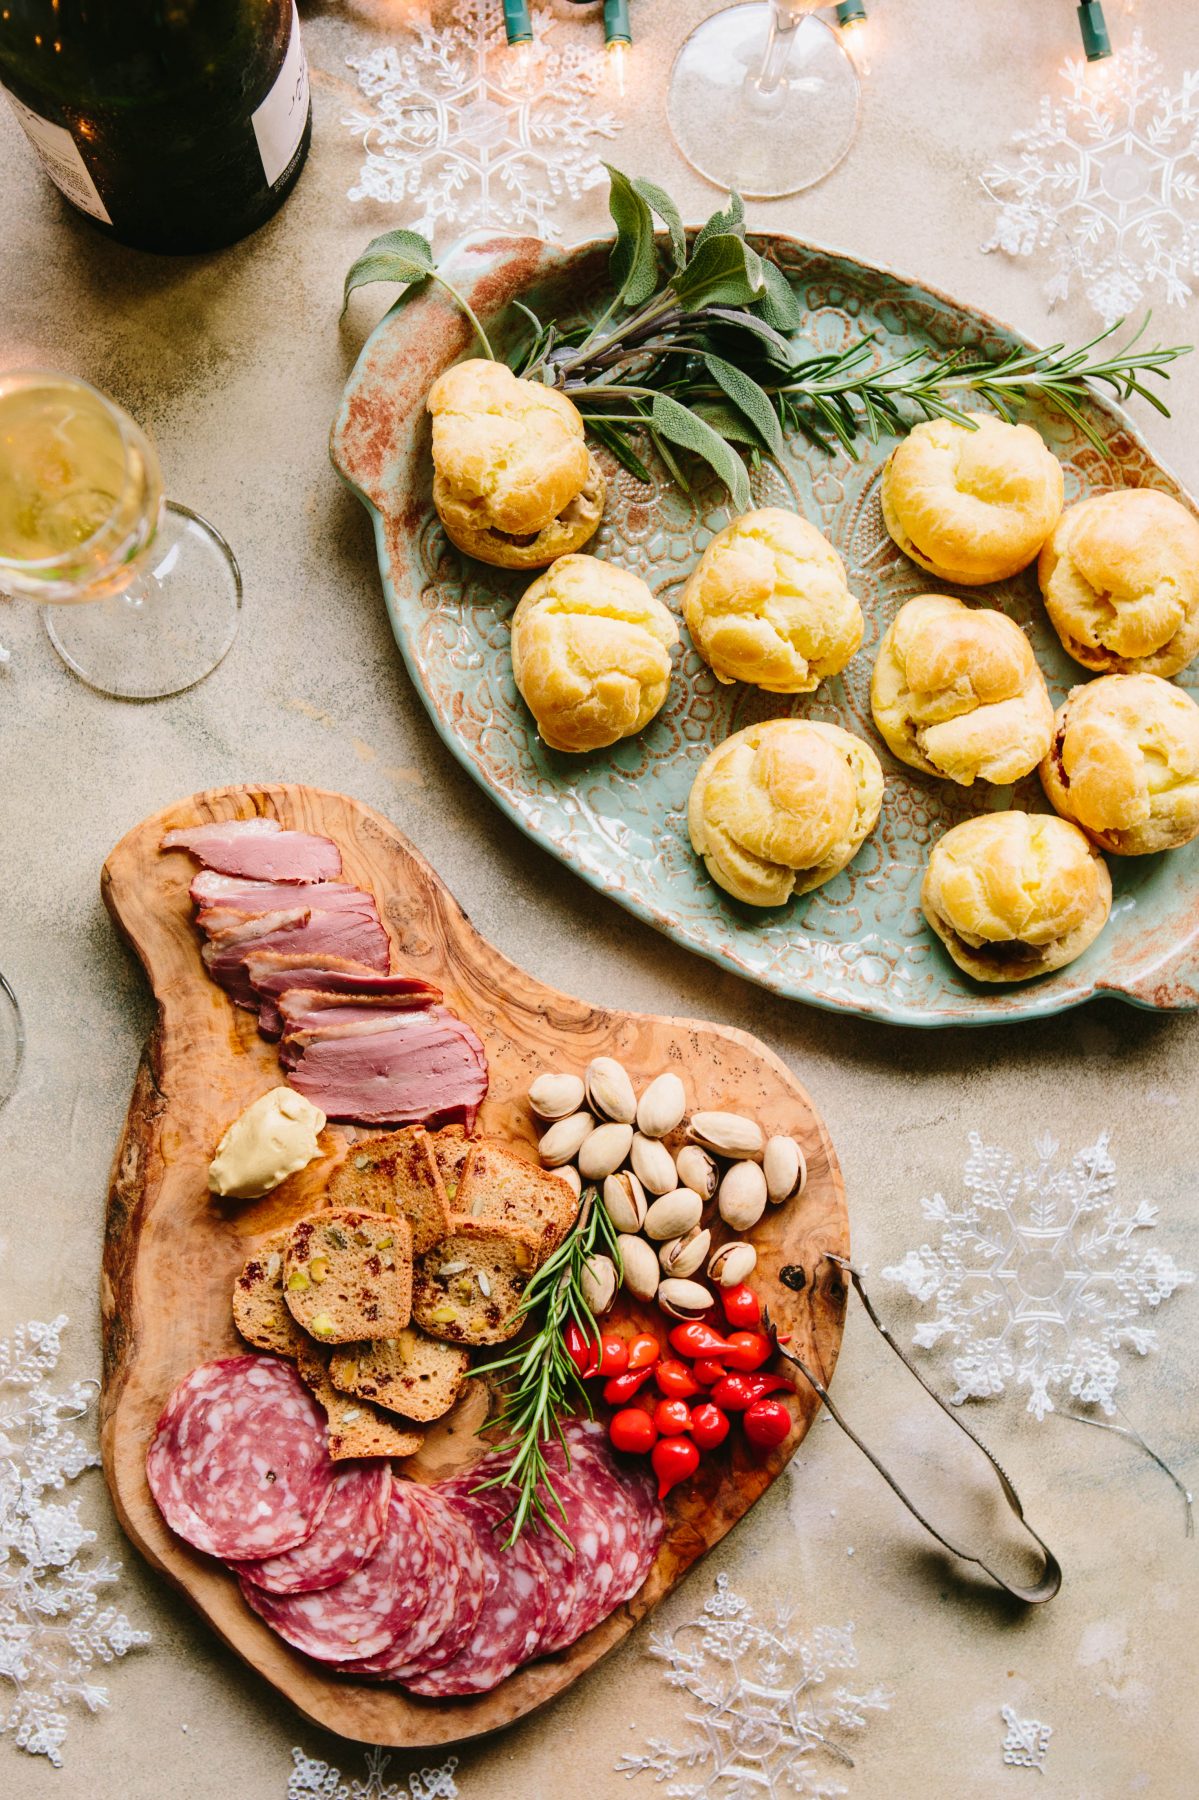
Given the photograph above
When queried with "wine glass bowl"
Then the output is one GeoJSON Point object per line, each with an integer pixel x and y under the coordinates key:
{"type": "Point", "coordinates": [83, 518]}
{"type": "Point", "coordinates": [764, 98]}
{"type": "Point", "coordinates": [80, 491]}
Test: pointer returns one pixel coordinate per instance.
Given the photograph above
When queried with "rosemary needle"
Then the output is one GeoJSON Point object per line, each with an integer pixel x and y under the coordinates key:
{"type": "Point", "coordinates": [538, 1381]}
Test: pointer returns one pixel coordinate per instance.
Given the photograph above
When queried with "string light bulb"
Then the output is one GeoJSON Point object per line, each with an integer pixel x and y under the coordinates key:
{"type": "Point", "coordinates": [518, 26]}
{"type": "Point", "coordinates": [1091, 23]}
{"type": "Point", "coordinates": [855, 33]}
{"type": "Point", "coordinates": [618, 39]}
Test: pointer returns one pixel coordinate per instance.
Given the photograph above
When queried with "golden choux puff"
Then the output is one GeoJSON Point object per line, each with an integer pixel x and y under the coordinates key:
{"type": "Point", "coordinates": [768, 603]}
{"type": "Point", "coordinates": [514, 483]}
{"type": "Point", "coordinates": [1120, 577]}
{"type": "Point", "coordinates": [956, 692]}
{"type": "Point", "coordinates": [780, 808]}
{"type": "Point", "coordinates": [1125, 764]}
{"type": "Point", "coordinates": [1013, 894]}
{"type": "Point", "coordinates": [591, 653]}
{"type": "Point", "coordinates": [971, 506]}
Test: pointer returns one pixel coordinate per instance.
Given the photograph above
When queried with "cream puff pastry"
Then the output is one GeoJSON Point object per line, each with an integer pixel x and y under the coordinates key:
{"type": "Point", "coordinates": [782, 807]}
{"type": "Point", "coordinates": [1120, 577]}
{"type": "Point", "coordinates": [1125, 764]}
{"type": "Point", "coordinates": [591, 653]}
{"type": "Point", "coordinates": [1012, 895]}
{"type": "Point", "coordinates": [768, 603]}
{"type": "Point", "coordinates": [514, 483]}
{"type": "Point", "coordinates": [971, 506]}
{"type": "Point", "coordinates": [956, 692]}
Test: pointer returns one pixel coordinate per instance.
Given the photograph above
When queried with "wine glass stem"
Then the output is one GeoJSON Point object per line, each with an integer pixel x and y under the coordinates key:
{"type": "Point", "coordinates": [783, 26]}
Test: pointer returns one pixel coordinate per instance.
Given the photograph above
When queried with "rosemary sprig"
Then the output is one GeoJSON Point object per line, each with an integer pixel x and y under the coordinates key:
{"type": "Point", "coordinates": [697, 351]}
{"type": "Point", "coordinates": [538, 1380]}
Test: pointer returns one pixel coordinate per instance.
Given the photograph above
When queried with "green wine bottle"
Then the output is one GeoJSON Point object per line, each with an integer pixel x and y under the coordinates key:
{"type": "Point", "coordinates": [176, 125]}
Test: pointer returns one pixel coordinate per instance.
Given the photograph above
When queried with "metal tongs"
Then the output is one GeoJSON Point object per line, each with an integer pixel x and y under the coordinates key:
{"type": "Point", "coordinates": [1050, 1580]}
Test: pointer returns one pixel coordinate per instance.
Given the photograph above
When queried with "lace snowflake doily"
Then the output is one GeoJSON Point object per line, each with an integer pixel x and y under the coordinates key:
{"type": "Point", "coordinates": [53, 1629]}
{"type": "Point", "coordinates": [762, 1723]}
{"type": "Point", "coordinates": [1039, 1277]}
{"type": "Point", "coordinates": [312, 1779]}
{"type": "Point", "coordinates": [467, 132]}
{"type": "Point", "coordinates": [1107, 180]}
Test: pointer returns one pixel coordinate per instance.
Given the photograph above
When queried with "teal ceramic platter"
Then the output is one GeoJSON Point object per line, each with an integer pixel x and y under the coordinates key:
{"type": "Point", "coordinates": [618, 818]}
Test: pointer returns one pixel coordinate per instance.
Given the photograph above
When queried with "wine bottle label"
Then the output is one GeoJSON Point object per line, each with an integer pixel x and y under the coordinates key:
{"type": "Point", "coordinates": [280, 119]}
{"type": "Point", "coordinates": [61, 159]}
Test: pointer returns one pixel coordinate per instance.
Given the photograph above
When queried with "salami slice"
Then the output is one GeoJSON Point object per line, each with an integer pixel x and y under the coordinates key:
{"type": "Point", "coordinates": [461, 1553]}
{"type": "Point", "coordinates": [512, 1619]}
{"type": "Point", "coordinates": [367, 1611]}
{"type": "Point", "coordinates": [628, 1483]}
{"type": "Point", "coordinates": [348, 1535]}
{"type": "Point", "coordinates": [239, 1465]}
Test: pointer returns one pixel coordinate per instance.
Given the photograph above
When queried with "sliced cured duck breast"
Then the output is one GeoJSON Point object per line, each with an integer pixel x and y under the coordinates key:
{"type": "Point", "coordinates": [429, 1068]}
{"type": "Point", "coordinates": [259, 849]}
{"type": "Point", "coordinates": [357, 935]}
{"type": "Point", "coordinates": [309, 1010]}
{"type": "Point", "coordinates": [232, 893]}
{"type": "Point", "coordinates": [348, 1021]}
{"type": "Point", "coordinates": [273, 974]}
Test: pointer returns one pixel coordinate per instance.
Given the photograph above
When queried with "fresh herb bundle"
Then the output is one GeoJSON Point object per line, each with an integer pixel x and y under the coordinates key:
{"type": "Point", "coordinates": [697, 351]}
{"type": "Point", "coordinates": [539, 1382]}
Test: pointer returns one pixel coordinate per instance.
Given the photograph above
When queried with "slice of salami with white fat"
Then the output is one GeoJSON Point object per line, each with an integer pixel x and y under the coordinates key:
{"type": "Point", "coordinates": [512, 1618]}
{"type": "Point", "coordinates": [239, 1465]}
{"type": "Point", "coordinates": [348, 1535]}
{"type": "Point", "coordinates": [454, 1600]}
{"type": "Point", "coordinates": [624, 1490]}
{"type": "Point", "coordinates": [367, 1611]}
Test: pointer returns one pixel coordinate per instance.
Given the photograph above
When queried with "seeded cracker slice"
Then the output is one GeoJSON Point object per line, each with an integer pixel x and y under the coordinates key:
{"type": "Point", "coordinates": [259, 1309]}
{"type": "Point", "coordinates": [355, 1427]}
{"type": "Point", "coordinates": [396, 1171]}
{"type": "Point", "coordinates": [467, 1288]}
{"type": "Point", "coordinates": [413, 1374]}
{"type": "Point", "coordinates": [450, 1147]}
{"type": "Point", "coordinates": [348, 1275]}
{"type": "Point", "coordinates": [501, 1186]}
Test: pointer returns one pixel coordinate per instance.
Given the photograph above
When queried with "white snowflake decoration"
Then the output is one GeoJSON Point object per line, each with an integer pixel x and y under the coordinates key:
{"type": "Point", "coordinates": [470, 133]}
{"type": "Point", "coordinates": [53, 1629]}
{"type": "Point", "coordinates": [312, 1779]}
{"type": "Point", "coordinates": [1027, 1742]}
{"type": "Point", "coordinates": [761, 1727]}
{"type": "Point", "coordinates": [1108, 179]}
{"type": "Point", "coordinates": [1039, 1277]}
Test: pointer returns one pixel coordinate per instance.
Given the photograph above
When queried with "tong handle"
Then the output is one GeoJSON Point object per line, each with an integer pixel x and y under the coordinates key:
{"type": "Point", "coordinates": [1051, 1574]}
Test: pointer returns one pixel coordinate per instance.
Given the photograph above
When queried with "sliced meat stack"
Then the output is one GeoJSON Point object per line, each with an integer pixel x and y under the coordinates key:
{"type": "Point", "coordinates": [309, 953]}
{"type": "Point", "coordinates": [390, 1580]}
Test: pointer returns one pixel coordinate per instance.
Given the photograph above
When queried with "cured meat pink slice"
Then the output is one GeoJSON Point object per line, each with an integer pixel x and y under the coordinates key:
{"type": "Point", "coordinates": [369, 1609]}
{"type": "Point", "coordinates": [260, 850]}
{"type": "Point", "coordinates": [348, 1535]}
{"type": "Point", "coordinates": [455, 1596]}
{"type": "Point", "coordinates": [212, 892]}
{"type": "Point", "coordinates": [624, 1493]}
{"type": "Point", "coordinates": [272, 975]}
{"type": "Point", "coordinates": [513, 1615]}
{"type": "Point", "coordinates": [430, 1068]}
{"type": "Point", "coordinates": [355, 933]}
{"type": "Point", "coordinates": [566, 1576]}
{"type": "Point", "coordinates": [239, 1465]}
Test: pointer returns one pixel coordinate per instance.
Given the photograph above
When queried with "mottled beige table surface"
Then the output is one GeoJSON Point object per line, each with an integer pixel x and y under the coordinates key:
{"type": "Point", "coordinates": [236, 363]}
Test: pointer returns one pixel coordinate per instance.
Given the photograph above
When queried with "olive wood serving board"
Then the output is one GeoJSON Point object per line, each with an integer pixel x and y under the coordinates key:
{"type": "Point", "coordinates": [172, 1252]}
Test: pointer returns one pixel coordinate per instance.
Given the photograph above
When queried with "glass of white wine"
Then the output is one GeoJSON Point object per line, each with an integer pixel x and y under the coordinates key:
{"type": "Point", "coordinates": [764, 98]}
{"type": "Point", "coordinates": [83, 519]}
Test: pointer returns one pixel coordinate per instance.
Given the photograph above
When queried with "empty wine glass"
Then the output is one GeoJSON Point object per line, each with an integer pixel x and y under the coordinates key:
{"type": "Point", "coordinates": [764, 98]}
{"type": "Point", "coordinates": [83, 518]}
{"type": "Point", "coordinates": [12, 1040]}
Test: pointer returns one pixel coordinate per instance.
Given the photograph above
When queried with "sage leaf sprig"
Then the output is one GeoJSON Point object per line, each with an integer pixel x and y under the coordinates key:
{"type": "Point", "coordinates": [406, 257]}
{"type": "Point", "coordinates": [699, 353]}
